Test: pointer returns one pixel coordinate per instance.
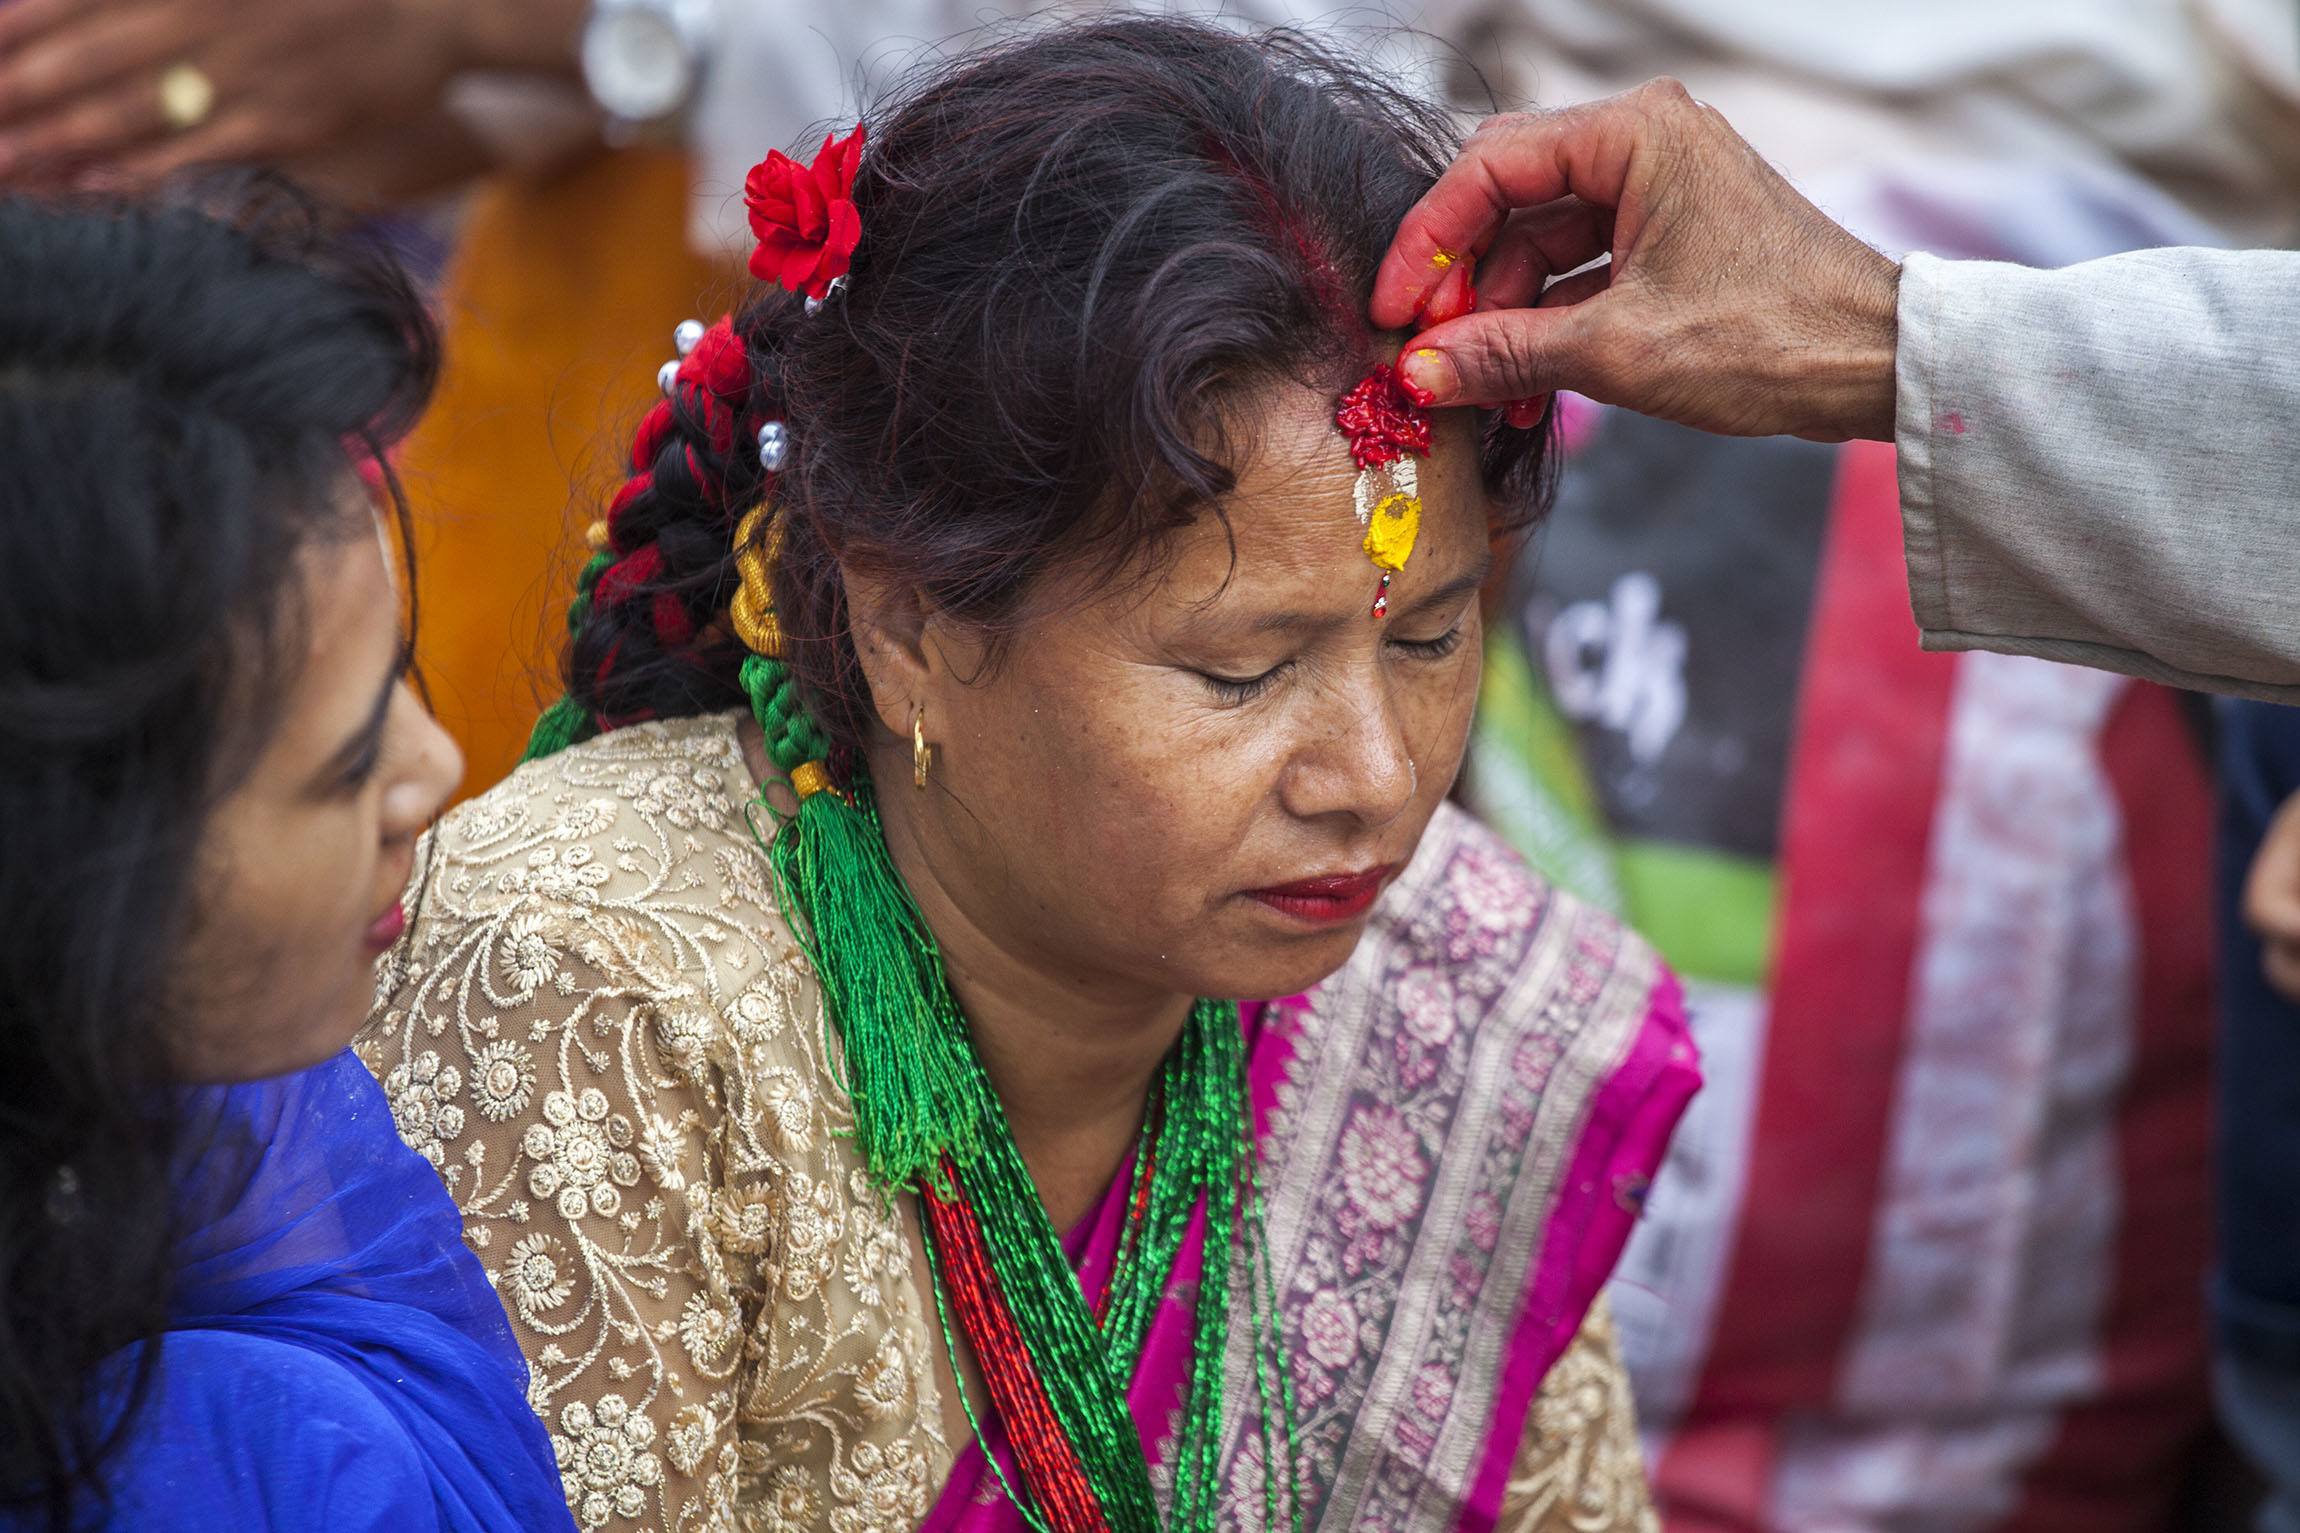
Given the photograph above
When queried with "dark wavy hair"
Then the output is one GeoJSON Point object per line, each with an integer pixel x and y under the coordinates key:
{"type": "Point", "coordinates": [186, 389]}
{"type": "Point", "coordinates": [1083, 250]}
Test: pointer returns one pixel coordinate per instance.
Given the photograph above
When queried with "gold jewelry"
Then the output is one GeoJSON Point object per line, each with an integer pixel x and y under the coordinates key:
{"type": "Point", "coordinates": [753, 611]}
{"type": "Point", "coordinates": [921, 753]}
{"type": "Point", "coordinates": [187, 96]}
{"type": "Point", "coordinates": [809, 778]}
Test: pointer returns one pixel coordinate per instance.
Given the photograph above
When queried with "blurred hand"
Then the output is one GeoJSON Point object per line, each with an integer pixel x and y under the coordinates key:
{"type": "Point", "coordinates": [2272, 900]}
{"type": "Point", "coordinates": [293, 79]}
{"type": "Point", "coordinates": [1728, 301]}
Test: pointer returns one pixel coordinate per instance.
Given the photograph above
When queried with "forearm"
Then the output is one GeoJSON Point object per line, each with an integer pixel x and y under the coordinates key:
{"type": "Point", "coordinates": [2092, 466]}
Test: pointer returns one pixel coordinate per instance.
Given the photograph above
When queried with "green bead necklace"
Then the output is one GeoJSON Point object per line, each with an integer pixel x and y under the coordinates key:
{"type": "Point", "coordinates": [928, 1119]}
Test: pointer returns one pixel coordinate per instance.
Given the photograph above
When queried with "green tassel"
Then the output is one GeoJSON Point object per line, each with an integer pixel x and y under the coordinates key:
{"type": "Point", "coordinates": [908, 1071]}
{"type": "Point", "coordinates": [908, 1068]}
{"type": "Point", "coordinates": [565, 722]}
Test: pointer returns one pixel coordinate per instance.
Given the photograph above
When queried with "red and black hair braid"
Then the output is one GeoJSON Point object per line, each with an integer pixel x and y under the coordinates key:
{"type": "Point", "coordinates": [645, 620]}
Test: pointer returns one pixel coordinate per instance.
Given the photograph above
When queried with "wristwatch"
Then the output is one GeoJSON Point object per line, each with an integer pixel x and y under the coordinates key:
{"type": "Point", "coordinates": [643, 60]}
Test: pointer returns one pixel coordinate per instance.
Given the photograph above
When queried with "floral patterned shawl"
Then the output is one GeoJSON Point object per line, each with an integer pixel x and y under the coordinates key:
{"type": "Point", "coordinates": [604, 1036]}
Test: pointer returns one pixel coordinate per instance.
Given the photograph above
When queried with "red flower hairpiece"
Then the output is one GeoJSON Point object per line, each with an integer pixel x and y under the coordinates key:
{"type": "Point", "coordinates": [804, 216]}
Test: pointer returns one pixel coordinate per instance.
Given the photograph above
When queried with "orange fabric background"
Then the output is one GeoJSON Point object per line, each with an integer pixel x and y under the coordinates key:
{"type": "Point", "coordinates": [558, 309]}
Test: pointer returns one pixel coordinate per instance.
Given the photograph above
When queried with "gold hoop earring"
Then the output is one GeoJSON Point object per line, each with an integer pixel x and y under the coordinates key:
{"type": "Point", "coordinates": [921, 753]}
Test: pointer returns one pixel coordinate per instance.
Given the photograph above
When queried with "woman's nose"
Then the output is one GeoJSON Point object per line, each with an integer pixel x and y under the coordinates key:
{"type": "Point", "coordinates": [1358, 763]}
{"type": "Point", "coordinates": [435, 766]}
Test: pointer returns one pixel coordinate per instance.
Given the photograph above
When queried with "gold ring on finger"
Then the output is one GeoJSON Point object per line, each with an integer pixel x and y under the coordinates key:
{"type": "Point", "coordinates": [187, 96]}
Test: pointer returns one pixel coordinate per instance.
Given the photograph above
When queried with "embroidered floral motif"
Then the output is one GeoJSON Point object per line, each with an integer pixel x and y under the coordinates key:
{"type": "Point", "coordinates": [578, 1153]}
{"type": "Point", "coordinates": [791, 1505]}
{"type": "Point", "coordinates": [878, 1489]}
{"type": "Point", "coordinates": [606, 1460]}
{"type": "Point", "coordinates": [502, 1080]}
{"type": "Point", "coordinates": [535, 1276]}
{"type": "Point", "coordinates": [1248, 1486]}
{"type": "Point", "coordinates": [789, 1106]}
{"type": "Point", "coordinates": [1382, 1168]}
{"type": "Point", "coordinates": [883, 1386]}
{"type": "Point", "coordinates": [711, 1328]}
{"type": "Point", "coordinates": [1330, 1329]}
{"type": "Point", "coordinates": [1427, 1007]}
{"type": "Point", "coordinates": [690, 1438]}
{"type": "Point", "coordinates": [529, 959]}
{"type": "Point", "coordinates": [1581, 1470]}
{"type": "Point", "coordinates": [422, 1093]}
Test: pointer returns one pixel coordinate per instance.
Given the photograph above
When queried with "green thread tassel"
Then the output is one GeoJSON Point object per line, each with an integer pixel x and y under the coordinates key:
{"type": "Point", "coordinates": [566, 722]}
{"type": "Point", "coordinates": [881, 972]}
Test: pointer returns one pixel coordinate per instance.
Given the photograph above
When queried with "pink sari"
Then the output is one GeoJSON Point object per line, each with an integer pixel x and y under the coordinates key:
{"type": "Point", "coordinates": [1456, 1132]}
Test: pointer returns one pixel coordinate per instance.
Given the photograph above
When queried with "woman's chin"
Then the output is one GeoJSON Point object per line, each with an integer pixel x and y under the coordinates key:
{"type": "Point", "coordinates": [1286, 958]}
{"type": "Point", "coordinates": [281, 1042]}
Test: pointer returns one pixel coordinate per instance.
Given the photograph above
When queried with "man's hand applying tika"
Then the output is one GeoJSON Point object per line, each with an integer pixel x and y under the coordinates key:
{"type": "Point", "coordinates": [1728, 301]}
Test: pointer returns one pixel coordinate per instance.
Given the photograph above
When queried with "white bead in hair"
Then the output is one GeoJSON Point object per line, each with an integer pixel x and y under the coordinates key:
{"type": "Point", "coordinates": [688, 336]}
{"type": "Point", "coordinates": [666, 376]}
{"type": "Point", "coordinates": [774, 447]}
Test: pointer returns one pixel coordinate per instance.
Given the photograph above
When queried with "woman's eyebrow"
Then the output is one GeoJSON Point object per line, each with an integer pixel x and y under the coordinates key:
{"type": "Point", "coordinates": [1293, 620]}
{"type": "Point", "coordinates": [1455, 589]}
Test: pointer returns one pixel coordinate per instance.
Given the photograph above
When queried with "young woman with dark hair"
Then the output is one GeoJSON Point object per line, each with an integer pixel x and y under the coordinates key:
{"type": "Point", "coordinates": [229, 1297]}
{"type": "Point", "coordinates": [978, 1013]}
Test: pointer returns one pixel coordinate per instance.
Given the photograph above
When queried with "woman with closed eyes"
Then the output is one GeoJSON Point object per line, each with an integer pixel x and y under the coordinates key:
{"type": "Point", "coordinates": [977, 1012]}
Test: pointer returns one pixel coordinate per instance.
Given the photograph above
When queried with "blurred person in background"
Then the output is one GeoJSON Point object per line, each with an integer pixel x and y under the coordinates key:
{"type": "Point", "coordinates": [2256, 1292]}
{"type": "Point", "coordinates": [397, 106]}
{"type": "Point", "coordinates": [1930, 1246]}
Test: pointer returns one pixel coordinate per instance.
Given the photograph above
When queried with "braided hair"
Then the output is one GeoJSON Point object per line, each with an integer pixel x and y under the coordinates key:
{"type": "Point", "coordinates": [651, 615]}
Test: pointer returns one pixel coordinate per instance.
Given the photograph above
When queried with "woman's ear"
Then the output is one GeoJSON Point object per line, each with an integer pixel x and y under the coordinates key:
{"type": "Point", "coordinates": [896, 640]}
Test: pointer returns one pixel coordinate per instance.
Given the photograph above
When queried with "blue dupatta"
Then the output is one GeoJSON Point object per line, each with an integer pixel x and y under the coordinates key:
{"type": "Point", "coordinates": [337, 1359]}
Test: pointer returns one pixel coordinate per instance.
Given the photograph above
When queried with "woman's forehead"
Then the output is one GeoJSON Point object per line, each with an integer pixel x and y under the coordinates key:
{"type": "Point", "coordinates": [1294, 524]}
{"type": "Point", "coordinates": [1287, 542]}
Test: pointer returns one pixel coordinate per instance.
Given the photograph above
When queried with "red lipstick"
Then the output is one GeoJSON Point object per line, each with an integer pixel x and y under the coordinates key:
{"type": "Point", "coordinates": [1334, 897]}
{"type": "Point", "coordinates": [386, 928]}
